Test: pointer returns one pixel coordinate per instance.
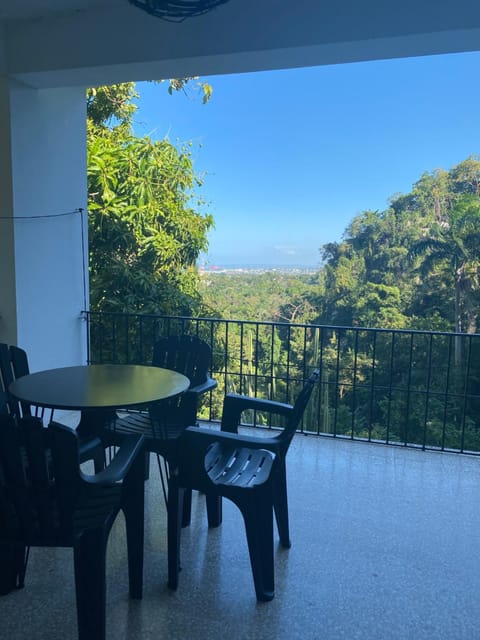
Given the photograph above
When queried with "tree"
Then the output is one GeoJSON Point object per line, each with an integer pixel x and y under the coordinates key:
{"type": "Point", "coordinates": [451, 250]}
{"type": "Point", "coordinates": [146, 226]}
{"type": "Point", "coordinates": [414, 265]}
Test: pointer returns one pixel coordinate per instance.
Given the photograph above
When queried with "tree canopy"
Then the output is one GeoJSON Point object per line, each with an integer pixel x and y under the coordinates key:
{"type": "Point", "coordinates": [147, 226]}
{"type": "Point", "coordinates": [414, 265]}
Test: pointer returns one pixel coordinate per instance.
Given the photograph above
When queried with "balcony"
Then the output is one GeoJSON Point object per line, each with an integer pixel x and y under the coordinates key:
{"type": "Point", "coordinates": [385, 538]}
{"type": "Point", "coordinates": [385, 545]}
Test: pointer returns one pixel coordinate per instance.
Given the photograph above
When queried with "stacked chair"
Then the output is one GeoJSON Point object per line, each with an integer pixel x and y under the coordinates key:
{"type": "Point", "coordinates": [14, 365]}
{"type": "Point", "coordinates": [6, 378]}
{"type": "Point", "coordinates": [248, 470]}
{"type": "Point", "coordinates": [46, 501]}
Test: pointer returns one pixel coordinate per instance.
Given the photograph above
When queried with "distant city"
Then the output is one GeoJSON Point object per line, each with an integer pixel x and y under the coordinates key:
{"type": "Point", "coordinates": [257, 268]}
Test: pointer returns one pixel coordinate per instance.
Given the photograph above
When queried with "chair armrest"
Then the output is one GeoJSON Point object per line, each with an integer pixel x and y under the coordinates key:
{"type": "Point", "coordinates": [202, 388]}
{"type": "Point", "coordinates": [200, 438]}
{"type": "Point", "coordinates": [132, 446]}
{"type": "Point", "coordinates": [234, 405]}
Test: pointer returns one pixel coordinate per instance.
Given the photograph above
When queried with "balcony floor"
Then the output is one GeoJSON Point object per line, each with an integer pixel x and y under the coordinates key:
{"type": "Point", "coordinates": [386, 545]}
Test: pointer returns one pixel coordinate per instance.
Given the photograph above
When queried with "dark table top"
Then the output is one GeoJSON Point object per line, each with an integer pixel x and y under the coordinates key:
{"type": "Point", "coordinates": [101, 386]}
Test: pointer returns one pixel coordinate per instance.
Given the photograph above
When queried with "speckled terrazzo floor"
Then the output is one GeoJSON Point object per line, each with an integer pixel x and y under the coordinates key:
{"type": "Point", "coordinates": [386, 545]}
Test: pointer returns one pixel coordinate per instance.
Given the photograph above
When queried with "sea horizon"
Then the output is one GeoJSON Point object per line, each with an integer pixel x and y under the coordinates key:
{"type": "Point", "coordinates": [252, 266]}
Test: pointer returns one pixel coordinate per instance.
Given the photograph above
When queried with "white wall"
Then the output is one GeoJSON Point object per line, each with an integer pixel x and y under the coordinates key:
{"type": "Point", "coordinates": [48, 160]}
{"type": "Point", "coordinates": [8, 310]}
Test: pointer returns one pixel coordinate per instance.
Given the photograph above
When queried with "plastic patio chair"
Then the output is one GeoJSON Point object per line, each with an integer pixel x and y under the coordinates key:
{"type": "Point", "coordinates": [7, 377]}
{"type": "Point", "coordinates": [233, 407]}
{"type": "Point", "coordinates": [164, 422]}
{"type": "Point", "coordinates": [248, 470]}
{"type": "Point", "coordinates": [14, 365]}
{"type": "Point", "coordinates": [20, 367]}
{"type": "Point", "coordinates": [46, 501]}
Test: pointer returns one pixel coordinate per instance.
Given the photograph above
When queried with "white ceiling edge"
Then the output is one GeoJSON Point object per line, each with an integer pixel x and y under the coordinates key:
{"type": "Point", "coordinates": [261, 60]}
{"type": "Point", "coordinates": [101, 46]}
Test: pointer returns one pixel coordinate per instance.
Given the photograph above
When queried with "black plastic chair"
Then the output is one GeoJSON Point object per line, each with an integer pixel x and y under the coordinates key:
{"type": "Point", "coordinates": [6, 378]}
{"type": "Point", "coordinates": [248, 470]}
{"type": "Point", "coordinates": [14, 365]}
{"type": "Point", "coordinates": [233, 407]}
{"type": "Point", "coordinates": [46, 501]}
{"type": "Point", "coordinates": [20, 367]}
{"type": "Point", "coordinates": [164, 422]}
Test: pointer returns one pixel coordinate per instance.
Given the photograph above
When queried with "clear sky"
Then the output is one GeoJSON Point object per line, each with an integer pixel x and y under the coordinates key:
{"type": "Point", "coordinates": [290, 157]}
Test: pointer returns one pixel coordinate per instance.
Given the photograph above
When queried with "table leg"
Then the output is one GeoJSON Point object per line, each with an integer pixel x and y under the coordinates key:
{"type": "Point", "coordinates": [93, 421]}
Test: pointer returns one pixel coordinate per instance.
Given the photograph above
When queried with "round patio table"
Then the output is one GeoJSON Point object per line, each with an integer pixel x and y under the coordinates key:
{"type": "Point", "coordinates": [99, 386]}
{"type": "Point", "coordinates": [97, 390]}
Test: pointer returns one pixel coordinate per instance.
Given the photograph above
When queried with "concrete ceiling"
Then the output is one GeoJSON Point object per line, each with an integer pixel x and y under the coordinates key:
{"type": "Point", "coordinates": [54, 43]}
{"type": "Point", "coordinates": [46, 9]}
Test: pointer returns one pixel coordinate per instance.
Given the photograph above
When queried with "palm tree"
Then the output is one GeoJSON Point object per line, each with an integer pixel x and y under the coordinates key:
{"type": "Point", "coordinates": [454, 246]}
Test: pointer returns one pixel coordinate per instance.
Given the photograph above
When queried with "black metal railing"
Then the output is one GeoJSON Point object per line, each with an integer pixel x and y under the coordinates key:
{"type": "Point", "coordinates": [411, 388]}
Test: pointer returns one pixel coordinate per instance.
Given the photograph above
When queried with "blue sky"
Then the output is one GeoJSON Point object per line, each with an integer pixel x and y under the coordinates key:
{"type": "Point", "coordinates": [290, 157]}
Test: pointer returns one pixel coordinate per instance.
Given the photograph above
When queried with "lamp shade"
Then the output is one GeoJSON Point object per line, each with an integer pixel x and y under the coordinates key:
{"type": "Point", "coordinates": [176, 10]}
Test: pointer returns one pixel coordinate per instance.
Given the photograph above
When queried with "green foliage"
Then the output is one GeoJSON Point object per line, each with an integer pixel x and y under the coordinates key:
{"type": "Point", "coordinates": [146, 229]}
{"type": "Point", "coordinates": [450, 253]}
{"type": "Point", "coordinates": [415, 265]}
{"type": "Point", "coordinates": [267, 296]}
{"type": "Point", "coordinates": [113, 104]}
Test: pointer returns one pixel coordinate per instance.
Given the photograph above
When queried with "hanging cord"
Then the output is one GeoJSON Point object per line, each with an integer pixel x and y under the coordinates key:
{"type": "Point", "coordinates": [84, 270]}
{"type": "Point", "coordinates": [42, 216]}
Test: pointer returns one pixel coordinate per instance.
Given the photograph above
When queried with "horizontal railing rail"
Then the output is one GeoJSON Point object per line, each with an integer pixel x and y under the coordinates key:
{"type": "Point", "coordinates": [402, 387]}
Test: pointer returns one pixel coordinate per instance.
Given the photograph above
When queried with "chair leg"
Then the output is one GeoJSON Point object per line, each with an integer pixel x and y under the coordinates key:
{"type": "Point", "coordinates": [164, 476]}
{"type": "Point", "coordinates": [187, 508]}
{"type": "Point", "coordinates": [258, 517]}
{"type": "Point", "coordinates": [174, 529]}
{"type": "Point", "coordinates": [90, 584]}
{"type": "Point", "coordinates": [214, 509]}
{"type": "Point", "coordinates": [280, 503]}
{"type": "Point", "coordinates": [21, 559]}
{"type": "Point", "coordinates": [147, 465]}
{"type": "Point", "coordinates": [133, 508]}
{"type": "Point", "coordinates": [13, 565]}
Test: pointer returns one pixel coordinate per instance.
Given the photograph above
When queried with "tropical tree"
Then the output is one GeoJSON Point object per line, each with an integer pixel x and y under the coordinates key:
{"type": "Point", "coordinates": [451, 253]}
{"type": "Point", "coordinates": [146, 225]}
{"type": "Point", "coordinates": [405, 266]}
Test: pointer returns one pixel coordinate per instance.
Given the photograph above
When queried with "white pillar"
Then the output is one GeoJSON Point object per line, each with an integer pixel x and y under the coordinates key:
{"type": "Point", "coordinates": [43, 255]}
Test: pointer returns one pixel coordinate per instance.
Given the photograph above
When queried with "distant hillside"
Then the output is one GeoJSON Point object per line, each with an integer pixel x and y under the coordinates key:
{"type": "Point", "coordinates": [262, 295]}
{"type": "Point", "coordinates": [258, 268]}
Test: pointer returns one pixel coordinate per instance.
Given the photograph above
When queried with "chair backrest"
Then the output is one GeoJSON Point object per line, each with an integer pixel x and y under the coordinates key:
{"type": "Point", "coordinates": [185, 354]}
{"type": "Point", "coordinates": [13, 365]}
{"type": "Point", "coordinates": [36, 498]}
{"type": "Point", "coordinates": [19, 360]}
{"type": "Point", "coordinates": [299, 407]}
{"type": "Point", "coordinates": [29, 512]}
{"type": "Point", "coordinates": [4, 403]}
{"type": "Point", "coordinates": [6, 378]}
